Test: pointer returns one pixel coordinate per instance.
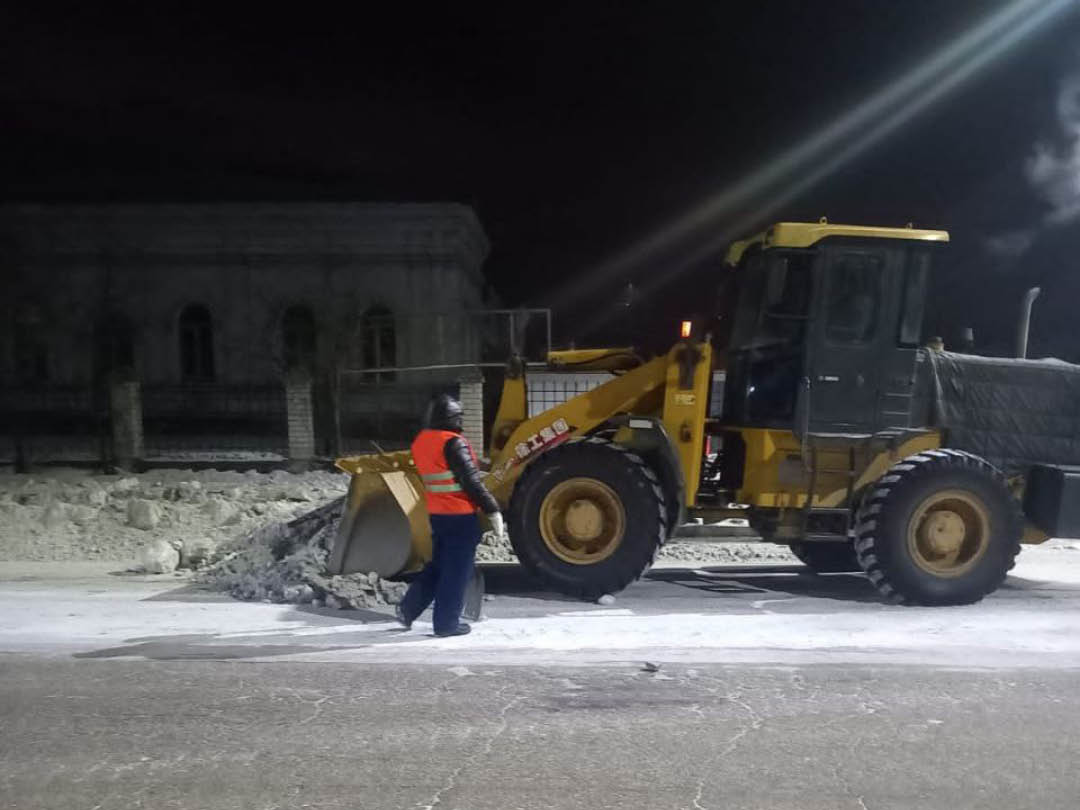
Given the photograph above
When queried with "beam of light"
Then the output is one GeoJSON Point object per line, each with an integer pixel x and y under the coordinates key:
{"type": "Point", "coordinates": [834, 145]}
{"type": "Point", "coordinates": [740, 226]}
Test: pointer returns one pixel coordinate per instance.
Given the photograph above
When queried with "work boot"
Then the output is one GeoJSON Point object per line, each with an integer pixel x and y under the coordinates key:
{"type": "Point", "coordinates": [461, 630]}
{"type": "Point", "coordinates": [400, 614]}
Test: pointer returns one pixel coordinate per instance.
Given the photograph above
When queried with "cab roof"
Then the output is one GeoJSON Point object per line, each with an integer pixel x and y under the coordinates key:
{"type": "Point", "coordinates": [805, 234]}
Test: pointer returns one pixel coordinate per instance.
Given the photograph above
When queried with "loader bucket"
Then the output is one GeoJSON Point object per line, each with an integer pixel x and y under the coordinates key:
{"type": "Point", "coordinates": [384, 526]}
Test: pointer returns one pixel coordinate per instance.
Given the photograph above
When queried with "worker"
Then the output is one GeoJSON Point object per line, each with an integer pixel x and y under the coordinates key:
{"type": "Point", "coordinates": [453, 492]}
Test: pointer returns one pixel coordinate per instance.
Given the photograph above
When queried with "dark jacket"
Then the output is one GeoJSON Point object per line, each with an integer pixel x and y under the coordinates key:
{"type": "Point", "coordinates": [460, 462]}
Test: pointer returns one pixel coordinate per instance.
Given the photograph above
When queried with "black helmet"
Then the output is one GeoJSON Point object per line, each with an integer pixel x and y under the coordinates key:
{"type": "Point", "coordinates": [444, 413]}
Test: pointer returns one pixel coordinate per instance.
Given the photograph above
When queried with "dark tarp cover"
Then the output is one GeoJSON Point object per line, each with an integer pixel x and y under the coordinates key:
{"type": "Point", "coordinates": [1014, 413]}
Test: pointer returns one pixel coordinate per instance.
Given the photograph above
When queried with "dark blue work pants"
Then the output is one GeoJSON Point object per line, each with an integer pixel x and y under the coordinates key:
{"type": "Point", "coordinates": [453, 539]}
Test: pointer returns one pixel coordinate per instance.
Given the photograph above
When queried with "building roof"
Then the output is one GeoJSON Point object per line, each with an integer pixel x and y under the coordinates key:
{"type": "Point", "coordinates": [805, 234]}
{"type": "Point", "coordinates": [59, 231]}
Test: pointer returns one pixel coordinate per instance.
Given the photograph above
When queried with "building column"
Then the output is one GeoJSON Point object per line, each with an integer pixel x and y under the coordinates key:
{"type": "Point", "coordinates": [471, 396]}
{"type": "Point", "coordinates": [300, 416]}
{"type": "Point", "coordinates": [125, 409]}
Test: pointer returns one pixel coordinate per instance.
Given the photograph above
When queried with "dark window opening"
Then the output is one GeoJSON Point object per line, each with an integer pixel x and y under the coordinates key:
{"type": "Point", "coordinates": [379, 343]}
{"type": "Point", "coordinates": [298, 338]}
{"type": "Point", "coordinates": [749, 283]}
{"type": "Point", "coordinates": [787, 298]}
{"type": "Point", "coordinates": [773, 299]}
{"type": "Point", "coordinates": [31, 346]}
{"type": "Point", "coordinates": [769, 336]}
{"type": "Point", "coordinates": [196, 343]}
{"type": "Point", "coordinates": [114, 345]}
{"type": "Point", "coordinates": [854, 295]}
{"type": "Point", "coordinates": [914, 302]}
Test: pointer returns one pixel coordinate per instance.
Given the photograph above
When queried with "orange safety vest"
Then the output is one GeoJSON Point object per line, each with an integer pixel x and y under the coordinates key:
{"type": "Point", "coordinates": [442, 492]}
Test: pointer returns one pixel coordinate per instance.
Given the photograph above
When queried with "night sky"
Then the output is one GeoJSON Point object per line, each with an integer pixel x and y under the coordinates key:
{"type": "Point", "coordinates": [575, 131]}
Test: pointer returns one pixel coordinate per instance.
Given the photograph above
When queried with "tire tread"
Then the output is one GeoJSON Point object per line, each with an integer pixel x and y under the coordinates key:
{"type": "Point", "coordinates": [875, 507]}
{"type": "Point", "coordinates": [621, 576]}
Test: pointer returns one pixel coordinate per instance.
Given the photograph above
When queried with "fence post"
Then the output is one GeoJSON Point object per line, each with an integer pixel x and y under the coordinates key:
{"type": "Point", "coordinates": [299, 414]}
{"type": "Point", "coordinates": [125, 409]}
{"type": "Point", "coordinates": [471, 395]}
{"type": "Point", "coordinates": [22, 451]}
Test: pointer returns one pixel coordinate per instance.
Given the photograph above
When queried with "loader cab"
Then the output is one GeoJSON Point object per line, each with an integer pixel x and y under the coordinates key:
{"type": "Point", "coordinates": [826, 328]}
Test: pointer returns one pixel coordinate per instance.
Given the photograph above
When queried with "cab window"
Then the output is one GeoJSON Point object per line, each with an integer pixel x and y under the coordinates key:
{"type": "Point", "coordinates": [787, 298]}
{"type": "Point", "coordinates": [854, 296]}
{"type": "Point", "coordinates": [914, 301]}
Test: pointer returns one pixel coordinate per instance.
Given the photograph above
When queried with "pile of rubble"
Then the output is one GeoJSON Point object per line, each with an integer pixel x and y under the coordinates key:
{"type": "Point", "coordinates": [163, 518]}
{"type": "Point", "coordinates": [286, 562]}
{"type": "Point", "coordinates": [676, 551]}
{"type": "Point", "coordinates": [259, 536]}
{"type": "Point", "coordinates": [751, 553]}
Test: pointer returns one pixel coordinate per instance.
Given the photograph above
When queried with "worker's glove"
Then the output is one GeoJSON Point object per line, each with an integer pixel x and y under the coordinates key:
{"type": "Point", "coordinates": [498, 525]}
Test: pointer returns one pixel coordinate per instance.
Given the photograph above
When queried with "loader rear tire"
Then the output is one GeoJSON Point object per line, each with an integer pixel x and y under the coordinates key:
{"type": "Point", "coordinates": [587, 518]}
{"type": "Point", "coordinates": [939, 528]}
{"type": "Point", "coordinates": [827, 558]}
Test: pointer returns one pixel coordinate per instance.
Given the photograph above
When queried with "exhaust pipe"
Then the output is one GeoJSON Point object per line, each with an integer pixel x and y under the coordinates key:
{"type": "Point", "coordinates": [1025, 321]}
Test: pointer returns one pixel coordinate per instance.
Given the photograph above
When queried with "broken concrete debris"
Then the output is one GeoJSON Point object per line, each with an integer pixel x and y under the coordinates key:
{"type": "Point", "coordinates": [197, 551]}
{"type": "Point", "coordinates": [143, 514]}
{"type": "Point", "coordinates": [159, 557]}
{"type": "Point", "coordinates": [232, 529]}
{"type": "Point", "coordinates": [72, 514]}
{"type": "Point", "coordinates": [220, 512]}
{"type": "Point", "coordinates": [280, 562]}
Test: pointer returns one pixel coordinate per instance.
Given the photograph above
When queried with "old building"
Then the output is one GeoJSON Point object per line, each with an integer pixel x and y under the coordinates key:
{"type": "Point", "coordinates": [212, 300]}
{"type": "Point", "coordinates": [232, 293]}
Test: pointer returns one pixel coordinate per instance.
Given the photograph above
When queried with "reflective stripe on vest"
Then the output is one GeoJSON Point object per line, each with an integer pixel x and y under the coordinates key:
{"type": "Point", "coordinates": [448, 485]}
{"type": "Point", "coordinates": [442, 493]}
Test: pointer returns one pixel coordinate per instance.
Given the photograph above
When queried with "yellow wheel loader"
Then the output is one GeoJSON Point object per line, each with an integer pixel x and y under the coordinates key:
{"type": "Point", "coordinates": [840, 435]}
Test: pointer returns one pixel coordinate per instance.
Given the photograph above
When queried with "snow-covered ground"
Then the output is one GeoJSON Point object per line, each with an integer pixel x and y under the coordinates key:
{"type": "Point", "coordinates": [766, 613]}
{"type": "Point", "coordinates": [232, 527]}
{"type": "Point", "coordinates": [70, 539]}
{"type": "Point", "coordinates": [70, 514]}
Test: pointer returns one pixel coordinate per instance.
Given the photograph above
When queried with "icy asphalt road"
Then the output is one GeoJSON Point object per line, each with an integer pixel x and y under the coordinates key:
{"type": "Point", "coordinates": [776, 689]}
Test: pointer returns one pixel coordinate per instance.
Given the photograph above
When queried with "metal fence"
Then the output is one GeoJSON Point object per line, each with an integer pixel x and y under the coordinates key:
{"type": "Point", "coordinates": [373, 386]}
{"type": "Point", "coordinates": [550, 389]}
{"type": "Point", "coordinates": [387, 348]}
{"type": "Point", "coordinates": [386, 414]}
{"type": "Point", "coordinates": [54, 423]}
{"type": "Point", "coordinates": [209, 420]}
{"type": "Point", "coordinates": [430, 353]}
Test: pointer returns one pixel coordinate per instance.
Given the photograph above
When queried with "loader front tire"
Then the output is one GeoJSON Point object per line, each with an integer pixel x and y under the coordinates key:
{"type": "Point", "coordinates": [939, 528]}
{"type": "Point", "coordinates": [587, 518]}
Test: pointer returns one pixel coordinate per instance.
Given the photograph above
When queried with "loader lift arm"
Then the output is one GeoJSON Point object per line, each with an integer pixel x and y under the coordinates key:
{"type": "Point", "coordinates": [619, 464]}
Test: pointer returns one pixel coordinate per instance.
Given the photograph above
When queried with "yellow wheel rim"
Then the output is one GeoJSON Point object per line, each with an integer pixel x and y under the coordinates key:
{"type": "Point", "coordinates": [949, 532]}
{"type": "Point", "coordinates": [582, 521]}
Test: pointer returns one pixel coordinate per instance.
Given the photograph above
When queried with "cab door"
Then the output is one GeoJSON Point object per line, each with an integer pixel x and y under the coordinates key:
{"type": "Point", "coordinates": [849, 334]}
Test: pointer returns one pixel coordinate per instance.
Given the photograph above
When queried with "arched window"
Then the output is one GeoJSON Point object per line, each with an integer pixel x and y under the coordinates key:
{"type": "Point", "coordinates": [31, 346]}
{"type": "Point", "coordinates": [379, 342]}
{"type": "Point", "coordinates": [298, 337]}
{"type": "Point", "coordinates": [114, 345]}
{"type": "Point", "coordinates": [196, 343]}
